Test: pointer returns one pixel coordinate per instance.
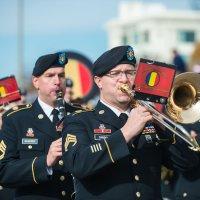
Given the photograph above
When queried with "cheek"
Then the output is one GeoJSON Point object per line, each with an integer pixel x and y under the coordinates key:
{"type": "Point", "coordinates": [113, 88]}
{"type": "Point", "coordinates": [43, 90]}
{"type": "Point", "coordinates": [62, 83]}
{"type": "Point", "coordinates": [45, 87]}
{"type": "Point", "coordinates": [132, 81]}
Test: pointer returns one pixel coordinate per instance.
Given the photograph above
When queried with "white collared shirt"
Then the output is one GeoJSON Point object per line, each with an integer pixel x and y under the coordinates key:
{"type": "Point", "coordinates": [46, 108]}
{"type": "Point", "coordinates": [115, 110]}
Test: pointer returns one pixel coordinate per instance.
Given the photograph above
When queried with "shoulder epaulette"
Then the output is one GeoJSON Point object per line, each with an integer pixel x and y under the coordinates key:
{"type": "Point", "coordinates": [17, 108]}
{"type": "Point", "coordinates": [80, 111]}
{"type": "Point", "coordinates": [81, 107]}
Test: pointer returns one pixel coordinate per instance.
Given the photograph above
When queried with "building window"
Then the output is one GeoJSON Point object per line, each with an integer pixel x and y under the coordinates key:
{"type": "Point", "coordinates": [135, 38]}
{"type": "Point", "coordinates": [124, 39]}
{"type": "Point", "coordinates": [186, 36]}
{"type": "Point", "coordinates": [146, 36]}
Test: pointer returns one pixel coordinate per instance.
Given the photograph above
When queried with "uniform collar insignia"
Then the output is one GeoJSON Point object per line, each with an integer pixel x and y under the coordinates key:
{"type": "Point", "coordinates": [40, 116]}
{"type": "Point", "coordinates": [101, 112]}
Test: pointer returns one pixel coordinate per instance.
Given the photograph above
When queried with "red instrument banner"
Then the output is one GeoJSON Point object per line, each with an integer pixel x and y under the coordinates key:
{"type": "Point", "coordinates": [154, 80]}
{"type": "Point", "coordinates": [9, 90]}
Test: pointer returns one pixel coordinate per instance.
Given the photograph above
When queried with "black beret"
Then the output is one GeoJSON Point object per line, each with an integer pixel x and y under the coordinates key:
{"type": "Point", "coordinates": [112, 58]}
{"type": "Point", "coordinates": [49, 61]}
{"type": "Point", "coordinates": [69, 82]}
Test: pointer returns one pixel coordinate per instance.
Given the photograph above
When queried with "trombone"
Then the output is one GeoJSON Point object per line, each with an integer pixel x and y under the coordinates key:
{"type": "Point", "coordinates": [174, 106]}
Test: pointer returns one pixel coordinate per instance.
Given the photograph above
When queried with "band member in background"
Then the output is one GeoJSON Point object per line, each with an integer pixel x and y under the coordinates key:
{"type": "Point", "coordinates": [179, 62]}
{"type": "Point", "coordinates": [5, 193]}
{"type": "Point", "coordinates": [31, 144]}
{"type": "Point", "coordinates": [23, 93]}
{"type": "Point", "coordinates": [186, 186]}
{"type": "Point", "coordinates": [1, 113]}
{"type": "Point", "coordinates": [115, 152]}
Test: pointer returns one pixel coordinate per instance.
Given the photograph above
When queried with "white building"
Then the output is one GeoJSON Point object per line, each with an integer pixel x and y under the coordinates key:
{"type": "Point", "coordinates": [154, 31]}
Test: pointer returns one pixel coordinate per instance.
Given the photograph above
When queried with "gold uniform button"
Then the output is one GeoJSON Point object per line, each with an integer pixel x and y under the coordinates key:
{"type": "Point", "coordinates": [63, 193]}
{"type": "Point", "coordinates": [137, 178]}
{"type": "Point", "coordinates": [30, 146]}
{"type": "Point", "coordinates": [138, 194]}
{"type": "Point", "coordinates": [135, 161]}
{"type": "Point", "coordinates": [184, 194]}
{"type": "Point", "coordinates": [1, 188]}
{"type": "Point", "coordinates": [62, 178]}
{"type": "Point", "coordinates": [60, 162]}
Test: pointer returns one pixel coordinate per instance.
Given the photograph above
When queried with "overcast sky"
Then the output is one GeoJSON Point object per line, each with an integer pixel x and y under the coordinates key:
{"type": "Point", "coordinates": [55, 25]}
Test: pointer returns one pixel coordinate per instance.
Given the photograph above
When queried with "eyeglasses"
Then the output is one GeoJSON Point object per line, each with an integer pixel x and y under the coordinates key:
{"type": "Point", "coordinates": [118, 74]}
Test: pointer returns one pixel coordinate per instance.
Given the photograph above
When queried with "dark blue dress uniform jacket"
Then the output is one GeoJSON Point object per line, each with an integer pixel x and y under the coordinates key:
{"type": "Point", "coordinates": [106, 168]}
{"type": "Point", "coordinates": [187, 186]}
{"type": "Point", "coordinates": [5, 193]}
{"type": "Point", "coordinates": [27, 134]}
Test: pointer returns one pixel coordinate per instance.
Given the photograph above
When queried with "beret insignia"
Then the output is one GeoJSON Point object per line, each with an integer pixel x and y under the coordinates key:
{"type": "Point", "coordinates": [130, 53]}
{"type": "Point", "coordinates": [62, 58]}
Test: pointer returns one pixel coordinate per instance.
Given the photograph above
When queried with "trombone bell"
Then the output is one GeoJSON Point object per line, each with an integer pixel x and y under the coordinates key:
{"type": "Point", "coordinates": [175, 128]}
{"type": "Point", "coordinates": [183, 104]}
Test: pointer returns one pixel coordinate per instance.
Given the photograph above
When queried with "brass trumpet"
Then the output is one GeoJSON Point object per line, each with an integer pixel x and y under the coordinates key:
{"type": "Point", "coordinates": [174, 127]}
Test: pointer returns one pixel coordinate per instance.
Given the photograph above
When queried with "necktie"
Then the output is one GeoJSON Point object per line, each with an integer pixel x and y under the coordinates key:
{"type": "Point", "coordinates": [123, 118]}
{"type": "Point", "coordinates": [55, 116]}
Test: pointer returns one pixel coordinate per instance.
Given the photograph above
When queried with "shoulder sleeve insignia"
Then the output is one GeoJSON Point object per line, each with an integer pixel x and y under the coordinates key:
{"type": "Point", "coordinates": [17, 109]}
{"type": "Point", "coordinates": [2, 149]}
{"type": "Point", "coordinates": [70, 141]}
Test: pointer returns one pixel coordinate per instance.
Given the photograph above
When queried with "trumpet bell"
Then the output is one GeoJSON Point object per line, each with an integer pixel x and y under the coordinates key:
{"type": "Point", "coordinates": [183, 104]}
